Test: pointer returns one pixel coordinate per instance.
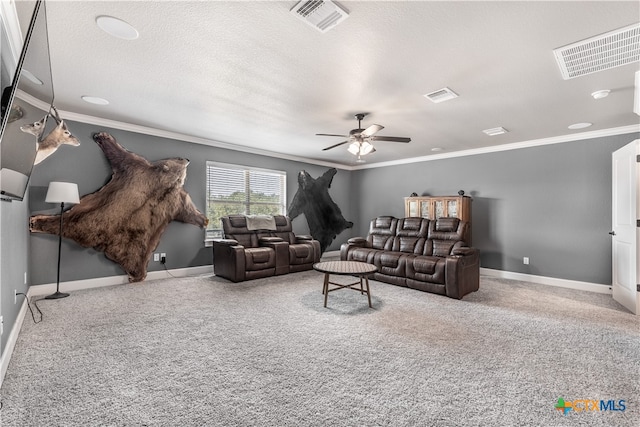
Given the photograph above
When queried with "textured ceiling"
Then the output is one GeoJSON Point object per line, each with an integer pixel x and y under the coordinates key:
{"type": "Point", "coordinates": [252, 75]}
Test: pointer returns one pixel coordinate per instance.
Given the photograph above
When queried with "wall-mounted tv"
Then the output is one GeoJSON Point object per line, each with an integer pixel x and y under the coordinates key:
{"type": "Point", "coordinates": [26, 83]}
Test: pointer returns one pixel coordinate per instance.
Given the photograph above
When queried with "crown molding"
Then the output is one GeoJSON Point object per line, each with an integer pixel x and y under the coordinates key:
{"type": "Point", "coordinates": [114, 124]}
{"type": "Point", "coordinates": [84, 118]}
{"type": "Point", "coordinates": [513, 146]}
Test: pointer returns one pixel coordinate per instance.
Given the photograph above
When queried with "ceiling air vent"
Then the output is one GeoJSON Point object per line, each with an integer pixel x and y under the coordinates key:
{"type": "Point", "coordinates": [441, 95]}
{"type": "Point", "coordinates": [495, 131]}
{"type": "Point", "coordinates": [323, 15]}
{"type": "Point", "coordinates": [603, 52]}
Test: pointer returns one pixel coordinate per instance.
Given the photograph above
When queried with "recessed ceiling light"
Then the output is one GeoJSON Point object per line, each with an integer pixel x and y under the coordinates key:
{"type": "Point", "coordinates": [116, 27]}
{"type": "Point", "coordinates": [437, 149]}
{"type": "Point", "coordinates": [495, 131]}
{"type": "Point", "coordinates": [29, 75]}
{"type": "Point", "coordinates": [580, 125]}
{"type": "Point", "coordinates": [599, 94]}
{"type": "Point", "coordinates": [95, 100]}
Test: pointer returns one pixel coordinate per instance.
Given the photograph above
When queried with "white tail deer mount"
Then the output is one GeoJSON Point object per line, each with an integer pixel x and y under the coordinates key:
{"type": "Point", "coordinates": [48, 145]}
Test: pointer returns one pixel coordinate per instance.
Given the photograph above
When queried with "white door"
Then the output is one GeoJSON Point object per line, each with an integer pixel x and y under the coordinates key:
{"type": "Point", "coordinates": [625, 230]}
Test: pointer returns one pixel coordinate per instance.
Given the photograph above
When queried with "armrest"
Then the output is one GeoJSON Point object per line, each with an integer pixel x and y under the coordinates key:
{"type": "Point", "coordinates": [462, 272]}
{"type": "Point", "coordinates": [354, 242]}
{"type": "Point", "coordinates": [228, 259]}
{"type": "Point", "coordinates": [267, 240]}
{"type": "Point", "coordinates": [463, 251]}
{"type": "Point", "coordinates": [229, 242]}
{"type": "Point", "coordinates": [357, 241]}
{"type": "Point", "coordinates": [304, 237]}
{"type": "Point", "coordinates": [281, 249]}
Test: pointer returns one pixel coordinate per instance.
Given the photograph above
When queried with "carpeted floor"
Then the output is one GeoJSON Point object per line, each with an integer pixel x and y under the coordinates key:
{"type": "Point", "coordinates": [201, 351]}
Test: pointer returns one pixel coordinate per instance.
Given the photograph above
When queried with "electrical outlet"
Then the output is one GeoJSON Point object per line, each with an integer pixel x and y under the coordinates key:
{"type": "Point", "coordinates": [525, 260]}
{"type": "Point", "coordinates": [163, 258]}
{"type": "Point", "coordinates": [156, 257]}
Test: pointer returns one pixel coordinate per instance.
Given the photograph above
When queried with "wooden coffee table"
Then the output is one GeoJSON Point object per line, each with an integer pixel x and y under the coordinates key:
{"type": "Point", "coordinates": [362, 270]}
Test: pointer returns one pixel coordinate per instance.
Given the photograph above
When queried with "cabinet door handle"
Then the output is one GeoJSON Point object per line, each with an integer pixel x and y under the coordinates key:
{"type": "Point", "coordinates": [613, 233]}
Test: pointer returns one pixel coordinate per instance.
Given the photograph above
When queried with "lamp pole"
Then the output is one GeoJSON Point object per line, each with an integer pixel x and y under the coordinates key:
{"type": "Point", "coordinates": [59, 294]}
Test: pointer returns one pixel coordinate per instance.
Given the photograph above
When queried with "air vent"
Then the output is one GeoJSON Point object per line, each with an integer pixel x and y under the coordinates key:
{"type": "Point", "coordinates": [603, 52]}
{"type": "Point", "coordinates": [441, 95]}
{"type": "Point", "coordinates": [495, 131]}
{"type": "Point", "coordinates": [322, 15]}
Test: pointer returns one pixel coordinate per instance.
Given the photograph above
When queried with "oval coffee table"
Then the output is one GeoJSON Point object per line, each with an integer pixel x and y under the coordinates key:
{"type": "Point", "coordinates": [346, 268]}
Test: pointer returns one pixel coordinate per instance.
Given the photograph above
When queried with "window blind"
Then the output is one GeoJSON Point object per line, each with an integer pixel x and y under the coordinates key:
{"type": "Point", "coordinates": [235, 189]}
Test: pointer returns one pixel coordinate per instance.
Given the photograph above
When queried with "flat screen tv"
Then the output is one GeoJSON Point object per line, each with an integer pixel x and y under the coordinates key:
{"type": "Point", "coordinates": [26, 83]}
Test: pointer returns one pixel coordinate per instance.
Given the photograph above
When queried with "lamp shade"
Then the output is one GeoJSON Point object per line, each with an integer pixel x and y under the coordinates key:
{"type": "Point", "coordinates": [354, 148]}
{"type": "Point", "coordinates": [366, 148]}
{"type": "Point", "coordinates": [62, 192]}
{"type": "Point", "coordinates": [13, 182]}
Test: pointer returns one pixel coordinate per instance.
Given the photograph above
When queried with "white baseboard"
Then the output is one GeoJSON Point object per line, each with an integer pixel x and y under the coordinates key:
{"type": "Point", "coordinates": [11, 341]}
{"type": "Point", "coordinates": [551, 281]}
{"type": "Point", "coordinates": [77, 285]}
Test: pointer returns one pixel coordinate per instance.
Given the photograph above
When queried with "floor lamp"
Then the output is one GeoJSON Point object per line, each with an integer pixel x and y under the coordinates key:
{"type": "Point", "coordinates": [61, 192]}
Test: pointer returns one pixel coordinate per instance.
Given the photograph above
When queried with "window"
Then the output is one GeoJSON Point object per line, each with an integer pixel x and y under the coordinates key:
{"type": "Point", "coordinates": [234, 189]}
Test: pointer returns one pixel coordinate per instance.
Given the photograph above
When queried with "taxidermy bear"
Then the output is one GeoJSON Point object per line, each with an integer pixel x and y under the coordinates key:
{"type": "Point", "coordinates": [312, 199]}
{"type": "Point", "coordinates": [127, 216]}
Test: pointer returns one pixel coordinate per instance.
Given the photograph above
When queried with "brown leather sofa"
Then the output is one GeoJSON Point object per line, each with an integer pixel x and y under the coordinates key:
{"type": "Point", "coordinates": [246, 254]}
{"type": "Point", "coordinates": [429, 255]}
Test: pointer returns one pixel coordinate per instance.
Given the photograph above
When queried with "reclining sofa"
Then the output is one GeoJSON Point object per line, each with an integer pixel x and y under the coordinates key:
{"type": "Point", "coordinates": [249, 253]}
{"type": "Point", "coordinates": [429, 255]}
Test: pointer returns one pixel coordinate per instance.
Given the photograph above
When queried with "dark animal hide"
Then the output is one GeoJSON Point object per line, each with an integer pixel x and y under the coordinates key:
{"type": "Point", "coordinates": [127, 216]}
{"type": "Point", "coordinates": [312, 199]}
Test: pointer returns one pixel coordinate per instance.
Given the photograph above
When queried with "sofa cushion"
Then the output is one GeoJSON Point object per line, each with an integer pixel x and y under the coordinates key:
{"type": "Point", "coordinates": [442, 247]}
{"type": "Point", "coordinates": [301, 254]}
{"type": "Point", "coordinates": [235, 227]}
{"type": "Point", "coordinates": [362, 254]}
{"type": "Point", "coordinates": [425, 268]}
{"type": "Point", "coordinates": [259, 258]}
{"type": "Point", "coordinates": [410, 235]}
{"type": "Point", "coordinates": [381, 232]}
{"type": "Point", "coordinates": [390, 263]}
{"type": "Point", "coordinates": [447, 229]}
{"type": "Point", "coordinates": [284, 229]}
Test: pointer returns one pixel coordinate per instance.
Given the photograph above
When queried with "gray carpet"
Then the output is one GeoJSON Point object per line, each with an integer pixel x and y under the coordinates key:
{"type": "Point", "coordinates": [203, 351]}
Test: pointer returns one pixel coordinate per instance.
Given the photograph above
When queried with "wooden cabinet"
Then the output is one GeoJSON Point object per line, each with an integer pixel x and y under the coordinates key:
{"type": "Point", "coordinates": [438, 207]}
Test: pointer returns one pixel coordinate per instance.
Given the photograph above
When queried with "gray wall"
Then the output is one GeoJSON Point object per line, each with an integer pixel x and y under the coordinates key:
{"type": "Point", "coordinates": [550, 203]}
{"type": "Point", "coordinates": [14, 241]}
{"type": "Point", "coordinates": [183, 243]}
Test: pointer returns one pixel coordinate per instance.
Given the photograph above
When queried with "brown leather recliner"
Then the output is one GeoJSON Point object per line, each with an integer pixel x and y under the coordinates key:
{"type": "Point", "coordinates": [246, 254]}
{"type": "Point", "coordinates": [429, 255]}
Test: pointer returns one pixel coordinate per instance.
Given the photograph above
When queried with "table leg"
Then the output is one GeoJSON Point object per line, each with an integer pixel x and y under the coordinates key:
{"type": "Point", "coordinates": [366, 279]}
{"type": "Point", "coordinates": [325, 288]}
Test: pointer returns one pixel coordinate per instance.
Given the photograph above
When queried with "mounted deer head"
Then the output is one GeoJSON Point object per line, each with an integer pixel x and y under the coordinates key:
{"type": "Point", "coordinates": [60, 135]}
{"type": "Point", "coordinates": [36, 128]}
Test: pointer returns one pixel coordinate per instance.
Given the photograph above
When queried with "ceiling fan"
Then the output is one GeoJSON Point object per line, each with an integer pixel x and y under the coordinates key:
{"type": "Point", "coordinates": [361, 139]}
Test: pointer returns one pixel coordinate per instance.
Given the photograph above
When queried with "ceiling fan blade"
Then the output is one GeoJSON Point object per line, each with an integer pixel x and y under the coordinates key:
{"type": "Point", "coordinates": [390, 138]}
{"type": "Point", "coordinates": [371, 130]}
{"type": "Point", "coordinates": [334, 146]}
{"type": "Point", "coordinates": [331, 134]}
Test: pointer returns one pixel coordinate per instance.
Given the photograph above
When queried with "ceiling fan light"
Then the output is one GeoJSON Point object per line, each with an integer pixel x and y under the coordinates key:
{"type": "Point", "coordinates": [354, 148]}
{"type": "Point", "coordinates": [366, 148]}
